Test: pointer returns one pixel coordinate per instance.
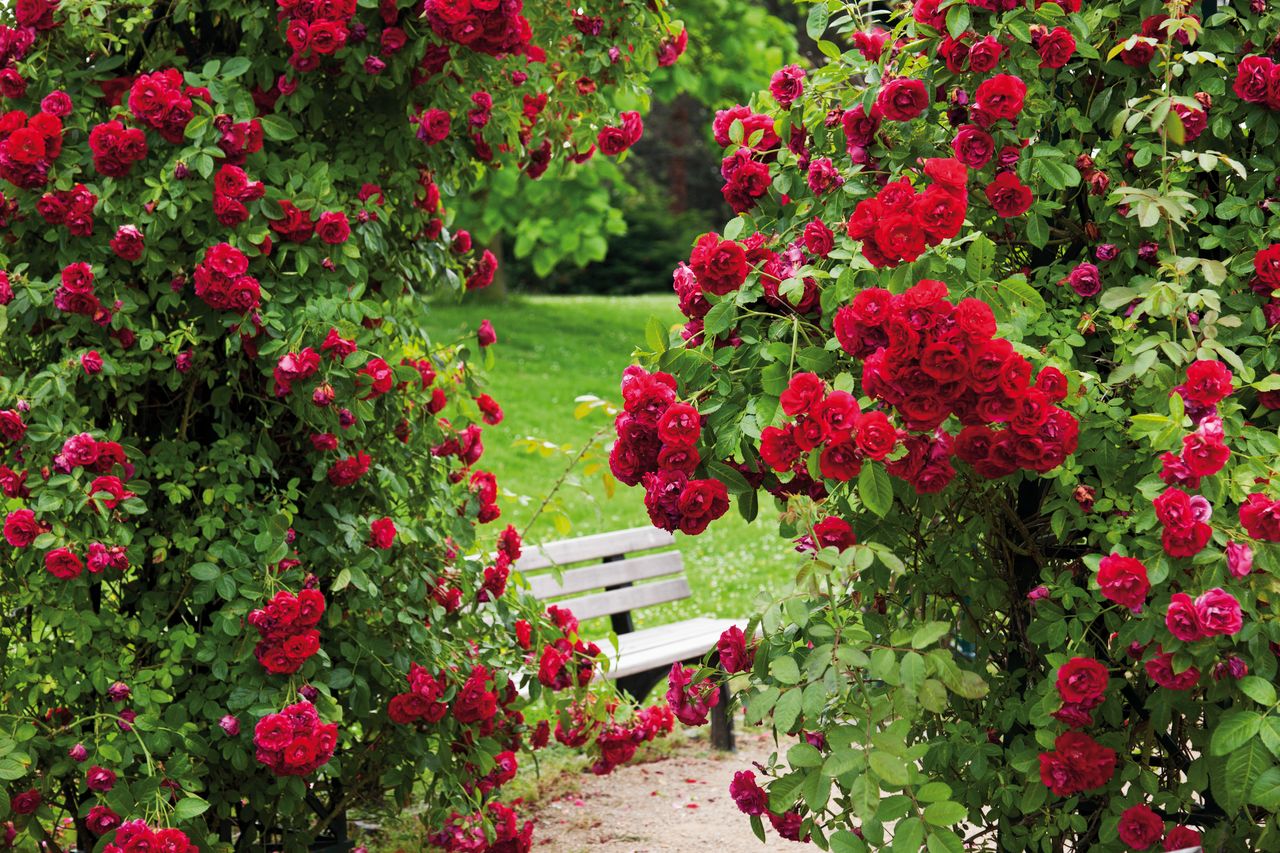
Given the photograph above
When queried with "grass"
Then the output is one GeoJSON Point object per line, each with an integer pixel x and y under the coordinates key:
{"type": "Point", "coordinates": [553, 349]}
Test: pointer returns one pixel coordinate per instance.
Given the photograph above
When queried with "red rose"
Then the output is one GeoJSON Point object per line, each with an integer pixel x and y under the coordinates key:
{"type": "Point", "coordinates": [973, 146]}
{"type": "Point", "coordinates": [898, 237]}
{"type": "Point", "coordinates": [1082, 681]}
{"type": "Point", "coordinates": [1259, 514]}
{"type": "Point", "coordinates": [1181, 838]}
{"type": "Point", "coordinates": [1186, 541]}
{"type": "Point", "coordinates": [1001, 96]}
{"type": "Point", "coordinates": [333, 227]}
{"type": "Point", "coordinates": [985, 54]}
{"type": "Point", "coordinates": [778, 448]}
{"type": "Point", "coordinates": [1124, 581]}
{"type": "Point", "coordinates": [1208, 382]}
{"type": "Point", "coordinates": [382, 533]}
{"type": "Point", "coordinates": [804, 391]}
{"type": "Point", "coordinates": [735, 655]}
{"type": "Point", "coordinates": [1253, 76]}
{"type": "Point", "coordinates": [940, 212]}
{"type": "Point", "coordinates": [787, 85]}
{"type": "Point", "coordinates": [1218, 613]}
{"type": "Point", "coordinates": [700, 503]}
{"type": "Point", "coordinates": [128, 243]}
{"type": "Point", "coordinates": [833, 532]}
{"type": "Point", "coordinates": [680, 425]}
{"type": "Point", "coordinates": [1160, 670]}
{"type": "Point", "coordinates": [1077, 763]}
{"type": "Point", "coordinates": [1140, 827]}
{"type": "Point", "coordinates": [902, 99]}
{"type": "Point", "coordinates": [78, 278]}
{"type": "Point", "coordinates": [1056, 48]}
{"type": "Point", "coordinates": [63, 564]}
{"type": "Point", "coordinates": [818, 238]}
{"type": "Point", "coordinates": [721, 266]}
{"type": "Point", "coordinates": [1008, 195]}
{"type": "Point", "coordinates": [21, 528]}
{"type": "Point", "coordinates": [749, 797]}
{"type": "Point", "coordinates": [838, 415]}
{"type": "Point", "coordinates": [840, 462]}
{"type": "Point", "coordinates": [875, 435]}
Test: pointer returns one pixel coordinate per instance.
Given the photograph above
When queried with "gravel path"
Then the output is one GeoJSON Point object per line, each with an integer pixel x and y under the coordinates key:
{"type": "Point", "coordinates": [675, 805]}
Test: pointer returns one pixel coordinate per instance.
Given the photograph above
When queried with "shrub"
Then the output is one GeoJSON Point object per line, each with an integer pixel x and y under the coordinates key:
{"type": "Point", "coordinates": [994, 327]}
{"type": "Point", "coordinates": [243, 575]}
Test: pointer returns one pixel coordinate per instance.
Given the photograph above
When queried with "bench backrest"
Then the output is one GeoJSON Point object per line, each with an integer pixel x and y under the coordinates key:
{"type": "Point", "coordinates": [627, 579]}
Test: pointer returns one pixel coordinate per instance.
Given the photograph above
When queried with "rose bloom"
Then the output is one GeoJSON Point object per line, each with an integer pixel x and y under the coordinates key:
{"type": "Point", "coordinates": [91, 361]}
{"type": "Point", "coordinates": [1218, 613]}
{"type": "Point", "coordinates": [1239, 559]}
{"type": "Point", "coordinates": [1082, 680]}
{"type": "Point", "coordinates": [735, 655]}
{"type": "Point", "coordinates": [1009, 196]}
{"type": "Point", "coordinates": [21, 528]}
{"type": "Point", "coordinates": [1182, 620]}
{"type": "Point", "coordinates": [1124, 581]}
{"type": "Point", "coordinates": [902, 99]}
{"type": "Point", "coordinates": [1140, 827]}
{"type": "Point", "coordinates": [333, 227]}
{"type": "Point", "coordinates": [1001, 96]}
{"type": "Point", "coordinates": [749, 797]}
{"type": "Point", "coordinates": [382, 533]}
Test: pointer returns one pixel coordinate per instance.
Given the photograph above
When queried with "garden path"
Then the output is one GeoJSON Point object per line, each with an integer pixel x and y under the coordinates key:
{"type": "Point", "coordinates": [677, 804]}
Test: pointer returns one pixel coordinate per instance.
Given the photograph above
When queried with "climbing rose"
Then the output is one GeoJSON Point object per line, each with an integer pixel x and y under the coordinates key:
{"type": "Point", "coordinates": [1082, 680]}
{"type": "Point", "coordinates": [1218, 613]}
{"type": "Point", "coordinates": [1124, 581]}
{"type": "Point", "coordinates": [382, 533]}
{"type": "Point", "coordinates": [1140, 827]}
{"type": "Point", "coordinates": [1182, 620]}
{"type": "Point", "coordinates": [690, 702]}
{"type": "Point", "coordinates": [749, 797]}
{"type": "Point", "coordinates": [735, 655]}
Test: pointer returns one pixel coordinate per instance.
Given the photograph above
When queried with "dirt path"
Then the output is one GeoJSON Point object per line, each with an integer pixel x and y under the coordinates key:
{"type": "Point", "coordinates": [674, 805]}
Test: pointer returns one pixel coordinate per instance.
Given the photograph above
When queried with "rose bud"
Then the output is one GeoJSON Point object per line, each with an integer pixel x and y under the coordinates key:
{"type": "Point", "coordinates": [346, 419]}
{"type": "Point", "coordinates": [178, 282]}
{"type": "Point", "coordinates": [1038, 593]}
{"type": "Point", "coordinates": [308, 692]}
{"type": "Point", "coordinates": [91, 361]}
{"type": "Point", "coordinates": [323, 395]}
{"type": "Point", "coordinates": [183, 361]}
{"type": "Point", "coordinates": [78, 753]}
{"type": "Point", "coordinates": [1084, 496]}
{"type": "Point", "coordinates": [373, 65]}
{"type": "Point", "coordinates": [290, 536]}
{"type": "Point", "coordinates": [1106, 252]}
{"type": "Point", "coordinates": [119, 692]}
{"type": "Point", "coordinates": [181, 172]}
{"type": "Point", "coordinates": [230, 725]}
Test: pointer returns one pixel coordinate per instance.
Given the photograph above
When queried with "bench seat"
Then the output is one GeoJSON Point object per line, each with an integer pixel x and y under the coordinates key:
{"type": "Point", "coordinates": [661, 646]}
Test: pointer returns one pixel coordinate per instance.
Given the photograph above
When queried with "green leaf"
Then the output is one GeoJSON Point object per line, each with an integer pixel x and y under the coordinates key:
{"type": "Point", "coordinates": [1244, 768]}
{"type": "Point", "coordinates": [928, 634]}
{"type": "Point", "coordinates": [205, 571]}
{"type": "Point", "coordinates": [190, 807]}
{"type": "Point", "coordinates": [875, 489]}
{"type": "Point", "coordinates": [804, 755]}
{"type": "Point", "coordinates": [1037, 231]}
{"type": "Point", "coordinates": [944, 841]}
{"type": "Point", "coordinates": [933, 696]}
{"type": "Point", "coordinates": [957, 20]}
{"type": "Point", "coordinates": [719, 318]}
{"type": "Point", "coordinates": [819, 16]}
{"type": "Point", "coordinates": [277, 128]}
{"type": "Point", "coordinates": [979, 258]}
{"type": "Point", "coordinates": [1233, 731]}
{"type": "Point", "coordinates": [734, 227]}
{"type": "Point", "coordinates": [234, 67]}
{"type": "Point", "coordinates": [889, 767]}
{"type": "Point", "coordinates": [968, 684]}
{"type": "Point", "coordinates": [908, 836]}
{"type": "Point", "coordinates": [655, 334]}
{"type": "Point", "coordinates": [1259, 690]}
{"type": "Point", "coordinates": [785, 670]}
{"type": "Point", "coordinates": [782, 792]}
{"type": "Point", "coordinates": [1266, 791]}
{"type": "Point", "coordinates": [787, 710]}
{"type": "Point", "coordinates": [845, 841]}
{"type": "Point", "coordinates": [945, 813]}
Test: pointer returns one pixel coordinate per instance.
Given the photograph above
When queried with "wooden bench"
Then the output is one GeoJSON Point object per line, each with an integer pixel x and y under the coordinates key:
{"type": "Point", "coordinates": [621, 575]}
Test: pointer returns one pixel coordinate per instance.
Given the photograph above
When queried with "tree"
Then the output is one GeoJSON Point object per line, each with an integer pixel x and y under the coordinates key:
{"type": "Point", "coordinates": [247, 585]}
{"type": "Point", "coordinates": [994, 327]}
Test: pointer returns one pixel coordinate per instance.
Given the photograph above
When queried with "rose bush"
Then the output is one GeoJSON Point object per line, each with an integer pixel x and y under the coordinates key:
{"type": "Point", "coordinates": [994, 328]}
{"type": "Point", "coordinates": [244, 576]}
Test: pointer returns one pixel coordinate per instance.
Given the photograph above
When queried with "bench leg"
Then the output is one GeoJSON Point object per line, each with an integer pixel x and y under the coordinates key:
{"type": "Point", "coordinates": [722, 722]}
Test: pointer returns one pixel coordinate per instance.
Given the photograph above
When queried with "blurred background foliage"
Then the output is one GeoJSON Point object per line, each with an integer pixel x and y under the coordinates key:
{"type": "Point", "coordinates": [616, 227]}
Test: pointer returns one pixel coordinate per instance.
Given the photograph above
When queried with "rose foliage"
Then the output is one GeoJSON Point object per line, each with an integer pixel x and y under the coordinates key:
{"type": "Point", "coordinates": [244, 582]}
{"type": "Point", "coordinates": [995, 329]}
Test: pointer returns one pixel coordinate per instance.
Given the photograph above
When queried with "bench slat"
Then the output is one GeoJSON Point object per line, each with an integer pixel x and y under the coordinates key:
{"type": "Point", "coordinates": [632, 598]}
{"type": "Point", "coordinates": [647, 650]}
{"type": "Point", "coordinates": [604, 575]}
{"type": "Point", "coordinates": [594, 547]}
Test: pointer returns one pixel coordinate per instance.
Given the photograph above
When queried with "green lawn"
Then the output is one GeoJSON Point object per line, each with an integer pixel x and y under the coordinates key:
{"type": "Point", "coordinates": [552, 349]}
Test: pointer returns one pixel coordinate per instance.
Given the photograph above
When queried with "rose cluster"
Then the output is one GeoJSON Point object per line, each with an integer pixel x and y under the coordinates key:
{"type": "Point", "coordinates": [899, 223]}
{"type": "Point", "coordinates": [497, 29]}
{"type": "Point", "coordinates": [288, 628]}
{"type": "Point", "coordinates": [422, 700]}
{"type": "Point", "coordinates": [613, 140]}
{"type": "Point", "coordinates": [1077, 763]}
{"type": "Point", "coordinates": [466, 833]}
{"type": "Point", "coordinates": [231, 190]}
{"type": "Point", "coordinates": [72, 208]}
{"type": "Point", "coordinates": [294, 742]}
{"type": "Point", "coordinates": [1185, 522]}
{"type": "Point", "coordinates": [568, 660]}
{"type": "Point", "coordinates": [136, 836]}
{"type": "Point", "coordinates": [77, 294]}
{"type": "Point", "coordinates": [1082, 685]}
{"type": "Point", "coordinates": [315, 28]}
{"type": "Point", "coordinates": [618, 742]}
{"type": "Point", "coordinates": [1215, 613]}
{"type": "Point", "coordinates": [690, 701]}
{"type": "Point", "coordinates": [829, 422]}
{"type": "Point", "coordinates": [116, 148]}
{"type": "Point", "coordinates": [929, 359]}
{"type": "Point", "coordinates": [1140, 828]}
{"type": "Point", "coordinates": [222, 280]}
{"type": "Point", "coordinates": [657, 446]}
{"type": "Point", "coordinates": [28, 147]}
{"type": "Point", "coordinates": [753, 800]}
{"type": "Point", "coordinates": [161, 101]}
{"type": "Point", "coordinates": [1258, 81]}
